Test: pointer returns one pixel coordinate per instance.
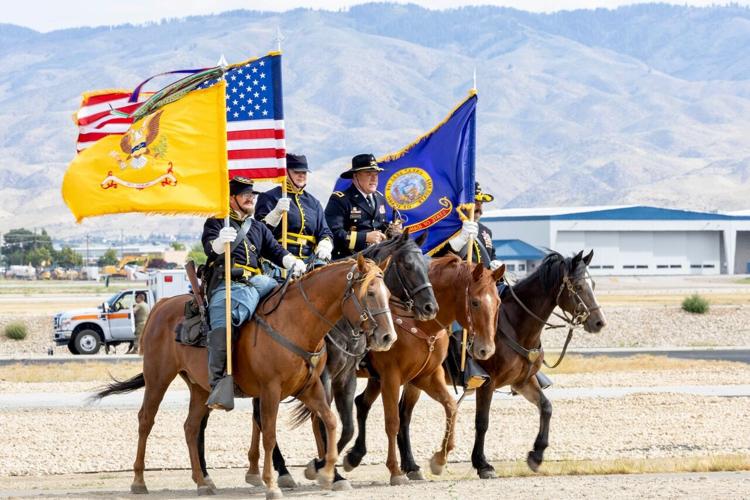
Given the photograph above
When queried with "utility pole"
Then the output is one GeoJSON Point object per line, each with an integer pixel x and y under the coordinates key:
{"type": "Point", "coordinates": [122, 244]}
{"type": "Point", "coordinates": [87, 249]}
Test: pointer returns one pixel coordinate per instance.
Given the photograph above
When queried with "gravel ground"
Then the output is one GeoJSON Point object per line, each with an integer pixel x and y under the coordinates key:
{"type": "Point", "coordinates": [628, 326]}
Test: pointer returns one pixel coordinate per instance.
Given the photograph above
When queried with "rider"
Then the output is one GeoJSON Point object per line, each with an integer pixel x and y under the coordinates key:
{"type": "Point", "coordinates": [484, 253]}
{"type": "Point", "coordinates": [357, 216]}
{"type": "Point", "coordinates": [249, 241]}
{"type": "Point", "coordinates": [307, 229]}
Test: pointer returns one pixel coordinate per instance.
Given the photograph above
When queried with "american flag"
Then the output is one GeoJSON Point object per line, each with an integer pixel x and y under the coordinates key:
{"type": "Point", "coordinates": [256, 146]}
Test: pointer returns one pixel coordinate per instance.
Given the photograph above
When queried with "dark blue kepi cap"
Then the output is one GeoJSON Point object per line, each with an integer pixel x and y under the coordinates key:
{"type": "Point", "coordinates": [239, 184]}
{"type": "Point", "coordinates": [298, 163]}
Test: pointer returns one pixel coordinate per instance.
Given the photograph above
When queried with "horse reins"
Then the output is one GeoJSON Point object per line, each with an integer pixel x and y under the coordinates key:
{"type": "Point", "coordinates": [408, 304]}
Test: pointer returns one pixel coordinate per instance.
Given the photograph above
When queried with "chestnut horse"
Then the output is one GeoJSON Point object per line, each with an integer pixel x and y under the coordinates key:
{"type": "Point", "coordinates": [409, 284]}
{"type": "Point", "coordinates": [270, 365]}
{"type": "Point", "coordinates": [557, 282]}
{"type": "Point", "coordinates": [466, 294]}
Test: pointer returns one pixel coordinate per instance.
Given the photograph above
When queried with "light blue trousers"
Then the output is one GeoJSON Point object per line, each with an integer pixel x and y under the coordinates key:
{"type": "Point", "coordinates": [245, 299]}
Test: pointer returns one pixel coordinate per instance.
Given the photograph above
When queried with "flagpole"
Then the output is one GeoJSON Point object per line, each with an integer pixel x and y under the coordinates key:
{"type": "Point", "coordinates": [469, 260]}
{"type": "Point", "coordinates": [228, 298]}
{"type": "Point", "coordinates": [284, 220]}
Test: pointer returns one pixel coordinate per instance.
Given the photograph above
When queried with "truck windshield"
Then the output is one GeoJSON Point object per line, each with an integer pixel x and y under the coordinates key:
{"type": "Point", "coordinates": [120, 301]}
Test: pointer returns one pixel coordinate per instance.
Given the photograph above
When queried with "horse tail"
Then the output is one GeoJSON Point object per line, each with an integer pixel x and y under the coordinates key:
{"type": "Point", "coordinates": [300, 415]}
{"type": "Point", "coordinates": [121, 387]}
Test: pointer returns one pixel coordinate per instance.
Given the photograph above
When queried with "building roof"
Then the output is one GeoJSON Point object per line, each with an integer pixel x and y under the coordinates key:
{"type": "Point", "coordinates": [618, 212]}
{"type": "Point", "coordinates": [516, 250]}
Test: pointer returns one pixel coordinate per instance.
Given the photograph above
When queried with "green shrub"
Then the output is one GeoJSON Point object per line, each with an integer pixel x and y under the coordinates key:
{"type": "Point", "coordinates": [16, 331]}
{"type": "Point", "coordinates": [695, 304]}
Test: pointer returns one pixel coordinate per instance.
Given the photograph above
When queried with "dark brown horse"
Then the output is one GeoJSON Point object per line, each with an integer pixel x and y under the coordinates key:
{"type": "Point", "coordinates": [464, 293]}
{"type": "Point", "coordinates": [265, 368]}
{"type": "Point", "coordinates": [557, 282]}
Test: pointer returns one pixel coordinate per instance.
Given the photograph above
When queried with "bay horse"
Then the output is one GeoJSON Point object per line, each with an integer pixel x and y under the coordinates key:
{"type": "Point", "coordinates": [270, 365]}
{"type": "Point", "coordinates": [411, 291]}
{"type": "Point", "coordinates": [525, 311]}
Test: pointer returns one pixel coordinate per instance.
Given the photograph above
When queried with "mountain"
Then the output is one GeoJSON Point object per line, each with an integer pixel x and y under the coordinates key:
{"type": "Point", "coordinates": [648, 104]}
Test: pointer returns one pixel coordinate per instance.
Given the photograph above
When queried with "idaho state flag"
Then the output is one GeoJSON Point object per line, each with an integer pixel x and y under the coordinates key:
{"type": "Point", "coordinates": [172, 161]}
{"type": "Point", "coordinates": [429, 179]}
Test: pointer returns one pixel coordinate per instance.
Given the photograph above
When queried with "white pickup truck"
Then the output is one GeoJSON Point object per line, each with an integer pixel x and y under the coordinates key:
{"type": "Point", "coordinates": [111, 323]}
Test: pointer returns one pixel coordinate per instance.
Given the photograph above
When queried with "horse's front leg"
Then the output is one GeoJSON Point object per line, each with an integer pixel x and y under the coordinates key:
{"type": "Point", "coordinates": [533, 393]}
{"type": "Point", "coordinates": [391, 386]}
{"type": "Point", "coordinates": [409, 398]}
{"type": "Point", "coordinates": [481, 424]}
{"type": "Point", "coordinates": [315, 399]}
{"type": "Point", "coordinates": [269, 409]}
{"type": "Point", "coordinates": [434, 386]}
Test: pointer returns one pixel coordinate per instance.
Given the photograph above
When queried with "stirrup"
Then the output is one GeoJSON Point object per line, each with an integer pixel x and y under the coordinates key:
{"type": "Point", "coordinates": [222, 395]}
{"type": "Point", "coordinates": [474, 376]}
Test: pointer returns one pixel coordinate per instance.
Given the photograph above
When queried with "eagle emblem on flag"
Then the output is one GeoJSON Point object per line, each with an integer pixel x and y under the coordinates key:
{"type": "Point", "coordinates": [138, 144]}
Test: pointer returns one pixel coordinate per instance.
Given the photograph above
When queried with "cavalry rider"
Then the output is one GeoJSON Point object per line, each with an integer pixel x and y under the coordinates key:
{"type": "Point", "coordinates": [307, 229]}
{"type": "Point", "coordinates": [249, 241]}
{"type": "Point", "coordinates": [357, 216]}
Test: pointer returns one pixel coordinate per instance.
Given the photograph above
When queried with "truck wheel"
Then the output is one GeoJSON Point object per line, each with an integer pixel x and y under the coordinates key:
{"type": "Point", "coordinates": [72, 347]}
{"type": "Point", "coordinates": [87, 342]}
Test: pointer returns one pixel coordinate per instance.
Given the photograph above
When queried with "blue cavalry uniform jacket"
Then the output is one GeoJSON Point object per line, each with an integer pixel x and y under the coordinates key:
{"type": "Point", "coordinates": [306, 222]}
{"type": "Point", "coordinates": [258, 242]}
{"type": "Point", "coordinates": [484, 251]}
{"type": "Point", "coordinates": [350, 218]}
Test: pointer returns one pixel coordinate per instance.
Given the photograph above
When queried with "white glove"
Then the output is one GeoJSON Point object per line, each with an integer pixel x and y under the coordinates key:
{"type": "Point", "coordinates": [495, 264]}
{"type": "Point", "coordinates": [274, 216]}
{"type": "Point", "coordinates": [469, 230]}
{"type": "Point", "coordinates": [226, 235]}
{"type": "Point", "coordinates": [293, 264]}
{"type": "Point", "coordinates": [324, 250]}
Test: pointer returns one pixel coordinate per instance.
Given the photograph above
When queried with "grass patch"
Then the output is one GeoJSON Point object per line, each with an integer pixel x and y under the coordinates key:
{"type": "Point", "coordinates": [695, 304]}
{"type": "Point", "coordinates": [742, 281]}
{"type": "Point", "coordinates": [627, 466]}
{"type": "Point", "coordinates": [16, 331]}
{"type": "Point", "coordinates": [67, 372]}
{"type": "Point", "coordinates": [574, 363]}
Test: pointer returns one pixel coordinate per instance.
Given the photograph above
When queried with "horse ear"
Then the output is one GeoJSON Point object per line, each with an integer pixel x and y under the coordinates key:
{"type": "Point", "coordinates": [498, 273]}
{"type": "Point", "coordinates": [587, 258]}
{"type": "Point", "coordinates": [383, 265]}
{"type": "Point", "coordinates": [477, 272]}
{"type": "Point", "coordinates": [421, 239]}
{"type": "Point", "coordinates": [578, 257]}
{"type": "Point", "coordinates": [405, 234]}
{"type": "Point", "coordinates": [361, 264]}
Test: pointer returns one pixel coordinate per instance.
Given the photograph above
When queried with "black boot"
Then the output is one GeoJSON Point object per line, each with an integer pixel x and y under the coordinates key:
{"type": "Point", "coordinates": [474, 376]}
{"type": "Point", "coordinates": [222, 386]}
{"type": "Point", "coordinates": [544, 380]}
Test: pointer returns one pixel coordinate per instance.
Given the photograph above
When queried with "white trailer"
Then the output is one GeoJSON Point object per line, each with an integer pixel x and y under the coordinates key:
{"type": "Point", "coordinates": [168, 283]}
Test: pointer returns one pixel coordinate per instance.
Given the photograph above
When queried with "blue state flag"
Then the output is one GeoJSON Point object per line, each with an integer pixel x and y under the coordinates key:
{"type": "Point", "coordinates": [431, 178]}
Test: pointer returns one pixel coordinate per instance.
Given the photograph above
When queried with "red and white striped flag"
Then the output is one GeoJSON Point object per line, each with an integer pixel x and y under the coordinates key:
{"type": "Point", "coordinates": [256, 144]}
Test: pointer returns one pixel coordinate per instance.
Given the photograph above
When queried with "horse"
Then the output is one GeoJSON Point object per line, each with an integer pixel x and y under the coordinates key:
{"type": "Point", "coordinates": [270, 365]}
{"type": "Point", "coordinates": [407, 279]}
{"type": "Point", "coordinates": [526, 308]}
{"type": "Point", "coordinates": [464, 294]}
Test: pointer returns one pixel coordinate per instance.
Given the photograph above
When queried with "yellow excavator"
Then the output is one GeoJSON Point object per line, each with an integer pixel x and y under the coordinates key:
{"type": "Point", "coordinates": [118, 270]}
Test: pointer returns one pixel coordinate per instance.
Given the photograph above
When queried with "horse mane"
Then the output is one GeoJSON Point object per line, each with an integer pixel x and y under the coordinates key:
{"type": "Point", "coordinates": [550, 272]}
{"type": "Point", "coordinates": [451, 263]}
{"type": "Point", "coordinates": [372, 272]}
{"type": "Point", "coordinates": [384, 248]}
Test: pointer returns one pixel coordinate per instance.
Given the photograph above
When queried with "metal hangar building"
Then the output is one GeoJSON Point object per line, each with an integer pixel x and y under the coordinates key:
{"type": "Point", "coordinates": [632, 240]}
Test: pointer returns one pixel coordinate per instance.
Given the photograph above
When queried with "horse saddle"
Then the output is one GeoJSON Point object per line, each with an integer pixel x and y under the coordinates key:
{"type": "Point", "coordinates": [193, 330]}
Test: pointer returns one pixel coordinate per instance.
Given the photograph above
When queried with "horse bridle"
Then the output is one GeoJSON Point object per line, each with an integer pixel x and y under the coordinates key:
{"type": "Point", "coordinates": [408, 304]}
{"type": "Point", "coordinates": [353, 277]}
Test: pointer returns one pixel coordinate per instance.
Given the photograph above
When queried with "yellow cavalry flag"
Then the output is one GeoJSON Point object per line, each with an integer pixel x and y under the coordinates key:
{"type": "Point", "coordinates": [172, 161]}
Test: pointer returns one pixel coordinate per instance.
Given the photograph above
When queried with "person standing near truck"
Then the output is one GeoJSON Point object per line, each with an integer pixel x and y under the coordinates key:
{"type": "Point", "coordinates": [141, 310]}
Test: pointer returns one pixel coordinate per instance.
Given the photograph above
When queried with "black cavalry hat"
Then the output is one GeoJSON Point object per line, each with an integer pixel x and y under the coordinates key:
{"type": "Point", "coordinates": [360, 163]}
{"type": "Point", "coordinates": [298, 163]}
{"type": "Point", "coordinates": [239, 185]}
{"type": "Point", "coordinates": [481, 196]}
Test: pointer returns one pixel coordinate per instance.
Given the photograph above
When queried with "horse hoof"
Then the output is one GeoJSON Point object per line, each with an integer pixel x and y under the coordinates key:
{"type": "Point", "coordinates": [487, 474]}
{"type": "Point", "coordinates": [138, 489]}
{"type": "Point", "coordinates": [532, 462]}
{"type": "Point", "coordinates": [399, 480]}
{"type": "Point", "coordinates": [311, 473]}
{"type": "Point", "coordinates": [287, 481]}
{"type": "Point", "coordinates": [274, 493]}
{"type": "Point", "coordinates": [253, 479]}
{"type": "Point", "coordinates": [415, 475]}
{"type": "Point", "coordinates": [348, 465]}
{"type": "Point", "coordinates": [205, 490]}
{"type": "Point", "coordinates": [343, 485]}
{"type": "Point", "coordinates": [435, 467]}
{"type": "Point", "coordinates": [324, 482]}
{"type": "Point", "coordinates": [209, 482]}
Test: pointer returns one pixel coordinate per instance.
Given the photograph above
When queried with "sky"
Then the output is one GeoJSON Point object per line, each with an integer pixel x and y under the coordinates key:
{"type": "Point", "coordinates": [59, 14]}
